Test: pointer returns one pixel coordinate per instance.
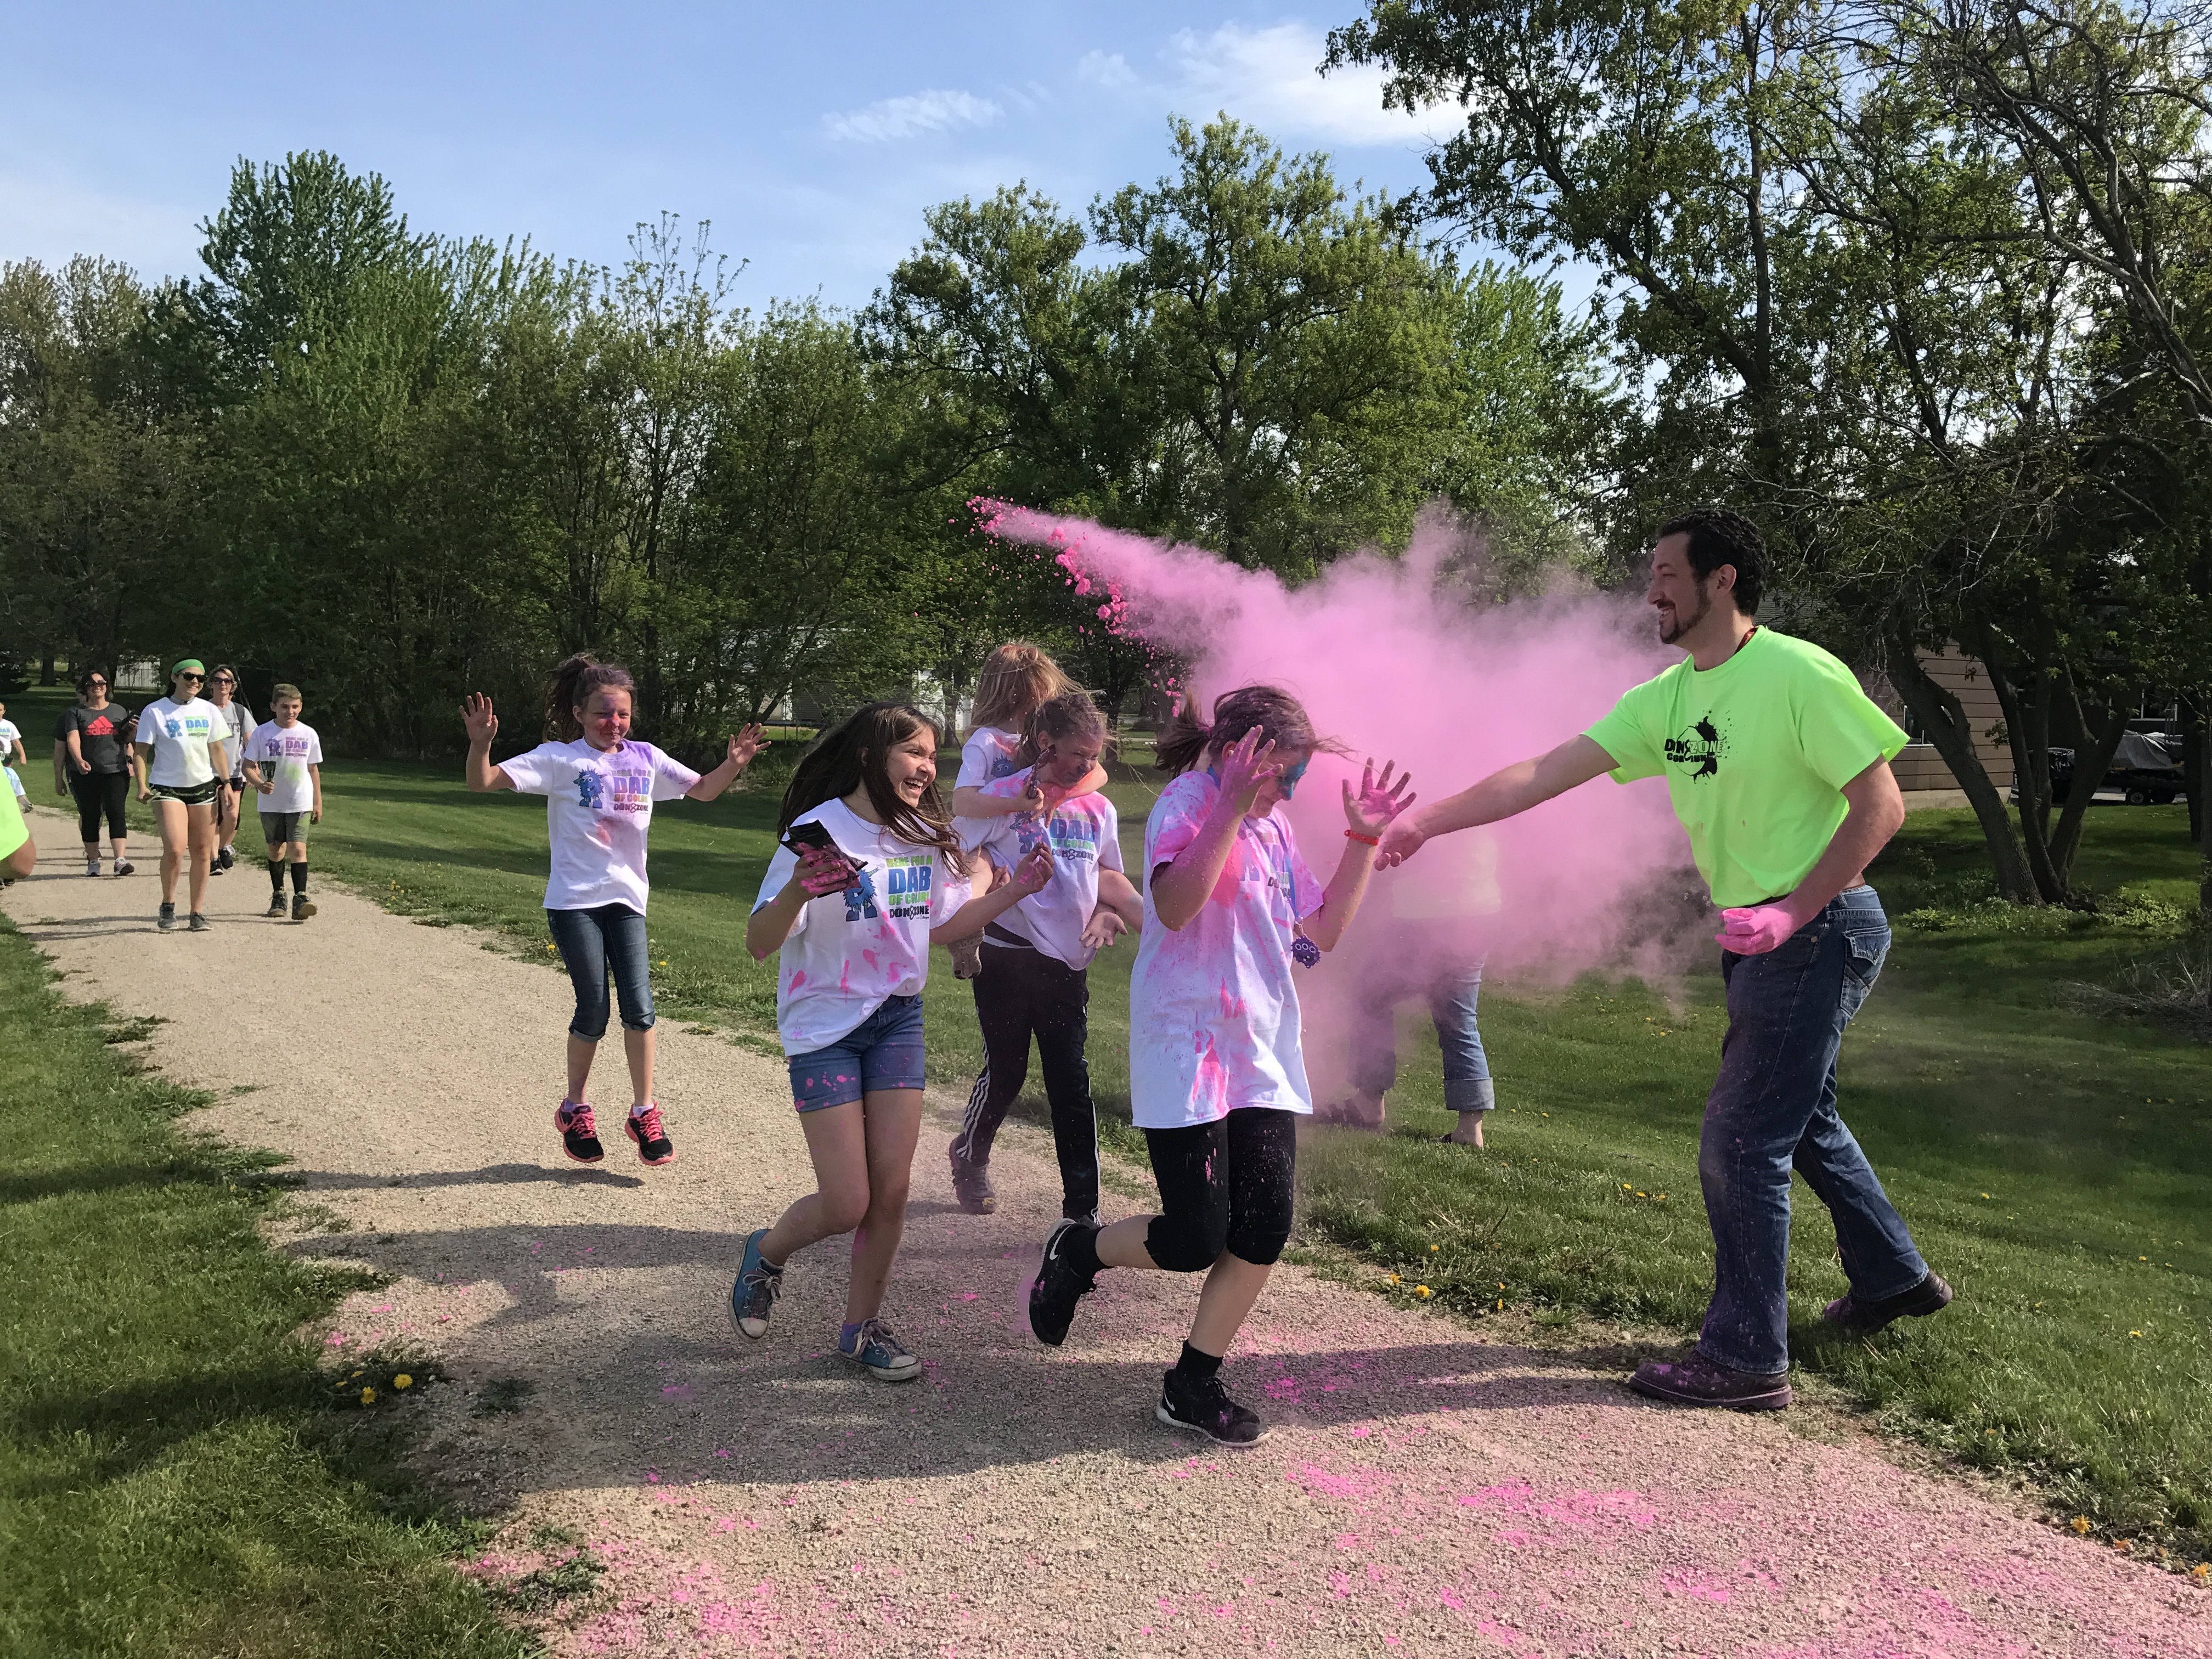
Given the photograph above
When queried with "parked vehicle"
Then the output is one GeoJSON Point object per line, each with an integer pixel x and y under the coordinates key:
{"type": "Point", "coordinates": [2146, 770]}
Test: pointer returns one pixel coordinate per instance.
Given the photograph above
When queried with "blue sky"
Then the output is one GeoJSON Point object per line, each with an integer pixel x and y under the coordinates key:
{"type": "Point", "coordinates": [812, 136]}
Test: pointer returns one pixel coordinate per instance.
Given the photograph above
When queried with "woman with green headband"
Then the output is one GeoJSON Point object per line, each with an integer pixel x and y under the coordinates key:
{"type": "Point", "coordinates": [181, 754]}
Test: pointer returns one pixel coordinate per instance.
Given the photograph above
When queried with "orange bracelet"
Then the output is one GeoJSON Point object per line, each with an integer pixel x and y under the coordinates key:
{"type": "Point", "coordinates": [1364, 840]}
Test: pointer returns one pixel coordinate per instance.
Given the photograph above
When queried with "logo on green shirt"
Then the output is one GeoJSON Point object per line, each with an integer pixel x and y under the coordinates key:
{"type": "Point", "coordinates": [1699, 749]}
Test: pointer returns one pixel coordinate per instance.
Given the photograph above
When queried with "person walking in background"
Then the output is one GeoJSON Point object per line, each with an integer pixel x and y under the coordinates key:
{"type": "Point", "coordinates": [284, 764]}
{"type": "Point", "coordinates": [1037, 955]}
{"type": "Point", "coordinates": [179, 751]}
{"type": "Point", "coordinates": [1778, 764]}
{"type": "Point", "coordinates": [1430, 948]}
{"type": "Point", "coordinates": [92, 766]}
{"type": "Point", "coordinates": [19, 852]}
{"type": "Point", "coordinates": [230, 790]}
{"type": "Point", "coordinates": [866, 875]}
{"type": "Point", "coordinates": [1217, 1073]}
{"type": "Point", "coordinates": [600, 785]}
{"type": "Point", "coordinates": [1014, 679]}
{"type": "Point", "coordinates": [12, 751]}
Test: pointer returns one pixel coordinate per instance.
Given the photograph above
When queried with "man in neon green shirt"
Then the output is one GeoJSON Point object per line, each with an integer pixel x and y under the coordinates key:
{"type": "Point", "coordinates": [1777, 765]}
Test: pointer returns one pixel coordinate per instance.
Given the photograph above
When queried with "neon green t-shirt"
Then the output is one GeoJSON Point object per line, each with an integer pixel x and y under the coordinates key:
{"type": "Point", "coordinates": [1756, 753]}
{"type": "Point", "coordinates": [13, 830]}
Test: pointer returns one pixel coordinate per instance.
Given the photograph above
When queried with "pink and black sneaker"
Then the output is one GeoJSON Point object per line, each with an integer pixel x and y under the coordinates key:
{"type": "Point", "coordinates": [579, 1136]}
{"type": "Point", "coordinates": [653, 1145]}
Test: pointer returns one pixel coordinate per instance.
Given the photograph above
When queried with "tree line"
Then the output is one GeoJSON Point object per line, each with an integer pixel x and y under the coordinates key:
{"type": "Point", "coordinates": [1921, 284]}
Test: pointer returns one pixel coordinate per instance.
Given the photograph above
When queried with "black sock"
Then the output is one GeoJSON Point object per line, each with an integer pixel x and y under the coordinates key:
{"type": "Point", "coordinates": [300, 877]}
{"type": "Point", "coordinates": [1196, 1364]}
{"type": "Point", "coordinates": [277, 878]}
{"type": "Point", "coordinates": [1081, 1250]}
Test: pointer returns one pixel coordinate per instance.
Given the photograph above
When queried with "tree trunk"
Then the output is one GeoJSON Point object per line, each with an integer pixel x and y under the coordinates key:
{"type": "Point", "coordinates": [2092, 764]}
{"type": "Point", "coordinates": [47, 670]}
{"type": "Point", "coordinates": [1944, 720]}
{"type": "Point", "coordinates": [2200, 749]}
{"type": "Point", "coordinates": [2027, 730]}
{"type": "Point", "coordinates": [2193, 733]}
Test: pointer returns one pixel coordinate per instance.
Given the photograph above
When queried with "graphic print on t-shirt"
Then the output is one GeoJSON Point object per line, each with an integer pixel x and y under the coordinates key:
{"type": "Point", "coordinates": [1698, 749]}
{"type": "Point", "coordinates": [906, 884]}
{"type": "Point", "coordinates": [860, 898]}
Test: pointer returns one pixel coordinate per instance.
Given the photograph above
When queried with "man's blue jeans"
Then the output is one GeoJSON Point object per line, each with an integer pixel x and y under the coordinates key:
{"type": "Point", "coordinates": [1774, 1108]}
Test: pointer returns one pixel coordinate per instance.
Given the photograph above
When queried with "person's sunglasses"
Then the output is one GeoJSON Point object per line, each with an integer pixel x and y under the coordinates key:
{"type": "Point", "coordinates": [102, 684]}
{"type": "Point", "coordinates": [224, 679]}
{"type": "Point", "coordinates": [191, 677]}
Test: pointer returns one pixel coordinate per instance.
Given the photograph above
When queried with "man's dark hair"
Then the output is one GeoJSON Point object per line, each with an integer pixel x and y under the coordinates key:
{"type": "Point", "coordinates": [1718, 537]}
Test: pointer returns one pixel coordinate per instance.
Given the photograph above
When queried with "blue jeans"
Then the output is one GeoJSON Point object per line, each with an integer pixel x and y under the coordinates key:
{"type": "Point", "coordinates": [1773, 1108]}
{"type": "Point", "coordinates": [1450, 990]}
{"type": "Point", "coordinates": [592, 942]}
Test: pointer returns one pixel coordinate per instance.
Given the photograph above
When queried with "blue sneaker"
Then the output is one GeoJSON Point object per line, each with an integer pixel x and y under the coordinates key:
{"type": "Point", "coordinates": [752, 1298]}
{"type": "Point", "coordinates": [874, 1346]}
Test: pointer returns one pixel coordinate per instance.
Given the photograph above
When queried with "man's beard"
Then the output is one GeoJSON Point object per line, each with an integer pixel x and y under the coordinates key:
{"type": "Point", "coordinates": [1667, 636]}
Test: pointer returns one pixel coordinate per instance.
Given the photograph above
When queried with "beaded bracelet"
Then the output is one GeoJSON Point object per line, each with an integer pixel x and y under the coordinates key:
{"type": "Point", "coordinates": [1364, 840]}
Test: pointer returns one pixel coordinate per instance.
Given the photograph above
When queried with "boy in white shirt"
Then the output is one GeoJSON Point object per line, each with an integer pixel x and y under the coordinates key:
{"type": "Point", "coordinates": [12, 752]}
{"type": "Point", "coordinates": [284, 764]}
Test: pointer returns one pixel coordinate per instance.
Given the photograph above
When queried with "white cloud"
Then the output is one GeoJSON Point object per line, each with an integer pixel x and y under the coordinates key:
{"type": "Point", "coordinates": [887, 119]}
{"type": "Point", "coordinates": [1106, 70]}
{"type": "Point", "coordinates": [1269, 77]}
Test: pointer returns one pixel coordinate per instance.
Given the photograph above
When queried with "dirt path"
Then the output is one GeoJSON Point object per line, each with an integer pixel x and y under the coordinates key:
{"type": "Point", "coordinates": [1425, 1491]}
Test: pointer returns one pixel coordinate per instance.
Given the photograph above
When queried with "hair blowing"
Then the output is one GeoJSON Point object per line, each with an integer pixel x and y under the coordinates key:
{"type": "Point", "coordinates": [1016, 677]}
{"type": "Point", "coordinates": [854, 753]}
{"type": "Point", "coordinates": [1280, 718]}
{"type": "Point", "coordinates": [570, 686]}
{"type": "Point", "coordinates": [1071, 714]}
{"type": "Point", "coordinates": [1719, 536]}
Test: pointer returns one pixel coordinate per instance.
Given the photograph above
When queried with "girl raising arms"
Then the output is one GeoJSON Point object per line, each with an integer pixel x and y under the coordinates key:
{"type": "Point", "coordinates": [868, 876]}
{"type": "Point", "coordinates": [600, 785]}
{"type": "Point", "coordinates": [1216, 1078]}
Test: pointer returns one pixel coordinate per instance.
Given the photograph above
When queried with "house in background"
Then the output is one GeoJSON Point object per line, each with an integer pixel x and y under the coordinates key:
{"type": "Point", "coordinates": [1921, 774]}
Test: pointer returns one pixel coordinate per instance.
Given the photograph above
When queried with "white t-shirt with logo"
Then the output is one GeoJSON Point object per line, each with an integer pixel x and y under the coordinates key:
{"type": "Point", "coordinates": [848, 953]}
{"type": "Point", "coordinates": [598, 806]}
{"type": "Point", "coordinates": [987, 757]}
{"type": "Point", "coordinates": [284, 753]}
{"type": "Point", "coordinates": [1213, 1013]}
{"type": "Point", "coordinates": [1084, 835]}
{"type": "Point", "coordinates": [180, 733]}
{"type": "Point", "coordinates": [11, 735]}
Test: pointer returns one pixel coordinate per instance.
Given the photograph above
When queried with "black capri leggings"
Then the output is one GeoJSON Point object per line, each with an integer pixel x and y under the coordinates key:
{"type": "Point", "coordinates": [96, 793]}
{"type": "Point", "coordinates": [1227, 1185]}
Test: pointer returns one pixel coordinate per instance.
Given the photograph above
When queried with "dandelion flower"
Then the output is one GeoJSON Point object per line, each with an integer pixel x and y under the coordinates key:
{"type": "Point", "coordinates": [402, 1381]}
{"type": "Point", "coordinates": [1395, 1279]}
{"type": "Point", "coordinates": [1423, 1291]}
{"type": "Point", "coordinates": [1501, 1304]}
{"type": "Point", "coordinates": [2080, 1523]}
{"type": "Point", "coordinates": [2204, 1570]}
{"type": "Point", "coordinates": [1433, 1248]}
{"type": "Point", "coordinates": [2135, 1332]}
{"type": "Point", "coordinates": [368, 1396]}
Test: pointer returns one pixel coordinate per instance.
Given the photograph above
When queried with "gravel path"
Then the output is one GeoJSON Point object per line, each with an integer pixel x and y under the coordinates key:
{"type": "Point", "coordinates": [1425, 1491]}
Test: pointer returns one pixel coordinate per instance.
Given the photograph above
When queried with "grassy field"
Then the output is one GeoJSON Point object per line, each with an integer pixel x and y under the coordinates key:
{"type": "Point", "coordinates": [2055, 1165]}
{"type": "Point", "coordinates": [173, 1479]}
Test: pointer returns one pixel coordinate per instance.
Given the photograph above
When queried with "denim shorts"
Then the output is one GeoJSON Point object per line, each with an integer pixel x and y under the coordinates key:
{"type": "Point", "coordinates": [884, 1051]}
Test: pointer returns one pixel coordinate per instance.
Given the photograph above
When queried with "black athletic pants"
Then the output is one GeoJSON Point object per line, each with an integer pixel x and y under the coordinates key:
{"type": "Point", "coordinates": [97, 793]}
{"type": "Point", "coordinates": [1227, 1185]}
{"type": "Point", "coordinates": [1022, 993]}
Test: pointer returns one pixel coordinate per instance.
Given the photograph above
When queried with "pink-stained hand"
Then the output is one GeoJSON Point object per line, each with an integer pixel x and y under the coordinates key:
{"type": "Point", "coordinates": [1246, 765]}
{"type": "Point", "coordinates": [1104, 927]}
{"type": "Point", "coordinates": [821, 873]}
{"type": "Point", "coordinates": [1031, 874]}
{"type": "Point", "coordinates": [1379, 801]}
{"type": "Point", "coordinates": [1755, 931]}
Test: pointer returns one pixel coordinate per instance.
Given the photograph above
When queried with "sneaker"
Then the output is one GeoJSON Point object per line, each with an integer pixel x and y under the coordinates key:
{"type": "Point", "coordinates": [874, 1346]}
{"type": "Point", "coordinates": [302, 906]}
{"type": "Point", "coordinates": [1086, 1218]}
{"type": "Point", "coordinates": [1203, 1406]}
{"type": "Point", "coordinates": [967, 958]}
{"type": "Point", "coordinates": [93, 868]}
{"type": "Point", "coordinates": [217, 867]}
{"type": "Point", "coordinates": [224, 859]}
{"type": "Point", "coordinates": [276, 906]}
{"type": "Point", "coordinates": [1058, 1287]}
{"type": "Point", "coordinates": [579, 1136]}
{"type": "Point", "coordinates": [199, 924]}
{"type": "Point", "coordinates": [1698, 1382]}
{"type": "Point", "coordinates": [124, 866]}
{"type": "Point", "coordinates": [653, 1145]}
{"type": "Point", "coordinates": [971, 1186]}
{"type": "Point", "coordinates": [167, 919]}
{"type": "Point", "coordinates": [752, 1298]}
{"type": "Point", "coordinates": [1864, 1318]}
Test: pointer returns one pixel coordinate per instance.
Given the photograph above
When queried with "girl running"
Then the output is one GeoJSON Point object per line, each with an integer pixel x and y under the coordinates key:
{"type": "Point", "coordinates": [1016, 676]}
{"type": "Point", "coordinates": [1036, 958]}
{"type": "Point", "coordinates": [229, 791]}
{"type": "Point", "coordinates": [1217, 1080]}
{"type": "Point", "coordinates": [600, 786]}
{"type": "Point", "coordinates": [92, 766]}
{"type": "Point", "coordinates": [179, 756]}
{"type": "Point", "coordinates": [869, 875]}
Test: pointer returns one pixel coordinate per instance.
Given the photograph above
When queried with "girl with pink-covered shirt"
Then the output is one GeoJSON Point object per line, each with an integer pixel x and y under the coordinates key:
{"type": "Point", "coordinates": [1217, 1080]}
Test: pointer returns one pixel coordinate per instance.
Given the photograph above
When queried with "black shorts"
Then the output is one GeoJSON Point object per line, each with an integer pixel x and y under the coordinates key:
{"type": "Point", "coordinates": [190, 794]}
{"type": "Point", "coordinates": [1225, 1185]}
{"type": "Point", "coordinates": [284, 826]}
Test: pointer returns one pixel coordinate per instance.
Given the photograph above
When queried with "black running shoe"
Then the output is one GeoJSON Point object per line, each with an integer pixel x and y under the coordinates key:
{"type": "Point", "coordinates": [302, 906]}
{"type": "Point", "coordinates": [224, 859]}
{"type": "Point", "coordinates": [1203, 1406]}
{"type": "Point", "coordinates": [1058, 1287]}
{"type": "Point", "coordinates": [971, 1186]}
{"type": "Point", "coordinates": [199, 924]}
{"type": "Point", "coordinates": [124, 866]}
{"type": "Point", "coordinates": [1863, 1318]}
{"type": "Point", "coordinates": [167, 919]}
{"type": "Point", "coordinates": [1698, 1382]}
{"type": "Point", "coordinates": [579, 1136]}
{"type": "Point", "coordinates": [277, 907]}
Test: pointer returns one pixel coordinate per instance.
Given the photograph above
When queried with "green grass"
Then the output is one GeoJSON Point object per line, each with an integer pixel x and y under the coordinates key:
{"type": "Point", "coordinates": [174, 1480]}
{"type": "Point", "coordinates": [2076, 1354]}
